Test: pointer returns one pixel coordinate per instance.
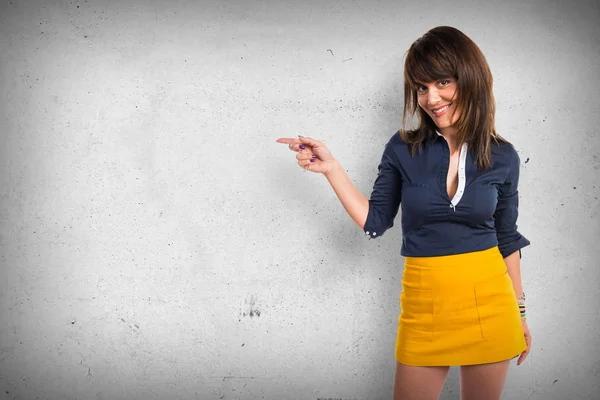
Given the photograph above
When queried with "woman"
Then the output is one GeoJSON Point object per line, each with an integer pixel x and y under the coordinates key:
{"type": "Point", "coordinates": [462, 303]}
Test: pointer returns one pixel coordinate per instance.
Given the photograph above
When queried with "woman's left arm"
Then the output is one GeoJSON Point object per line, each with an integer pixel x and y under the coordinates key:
{"type": "Point", "coordinates": [510, 241]}
{"type": "Point", "coordinates": [513, 266]}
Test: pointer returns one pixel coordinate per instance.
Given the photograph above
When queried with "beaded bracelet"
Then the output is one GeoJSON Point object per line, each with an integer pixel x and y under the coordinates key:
{"type": "Point", "coordinates": [521, 302]}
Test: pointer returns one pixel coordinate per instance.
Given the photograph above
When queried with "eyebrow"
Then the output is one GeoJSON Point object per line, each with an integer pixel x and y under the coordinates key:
{"type": "Point", "coordinates": [435, 80]}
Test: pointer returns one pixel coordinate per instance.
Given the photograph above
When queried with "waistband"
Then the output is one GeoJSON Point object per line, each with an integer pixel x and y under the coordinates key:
{"type": "Point", "coordinates": [491, 254]}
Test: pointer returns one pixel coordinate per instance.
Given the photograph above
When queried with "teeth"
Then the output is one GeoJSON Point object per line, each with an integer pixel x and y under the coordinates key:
{"type": "Point", "coordinates": [441, 110]}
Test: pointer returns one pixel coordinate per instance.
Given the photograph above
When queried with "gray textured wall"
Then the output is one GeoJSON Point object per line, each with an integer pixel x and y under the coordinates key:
{"type": "Point", "coordinates": [156, 243]}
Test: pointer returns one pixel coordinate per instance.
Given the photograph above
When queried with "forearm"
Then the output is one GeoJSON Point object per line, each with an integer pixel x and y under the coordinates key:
{"type": "Point", "coordinates": [354, 202]}
{"type": "Point", "coordinates": [513, 266]}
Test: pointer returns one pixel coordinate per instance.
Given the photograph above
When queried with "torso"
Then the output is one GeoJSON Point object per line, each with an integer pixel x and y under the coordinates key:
{"type": "Point", "coordinates": [452, 179]}
{"type": "Point", "coordinates": [442, 214]}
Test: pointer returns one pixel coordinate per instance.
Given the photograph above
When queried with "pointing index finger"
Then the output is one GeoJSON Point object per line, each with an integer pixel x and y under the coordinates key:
{"type": "Point", "coordinates": [289, 140]}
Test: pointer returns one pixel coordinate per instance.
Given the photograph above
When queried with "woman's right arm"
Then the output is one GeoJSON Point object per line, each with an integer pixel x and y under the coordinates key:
{"type": "Point", "coordinates": [354, 202]}
{"type": "Point", "coordinates": [375, 215]}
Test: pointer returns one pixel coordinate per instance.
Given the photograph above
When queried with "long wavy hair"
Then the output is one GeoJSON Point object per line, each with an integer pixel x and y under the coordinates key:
{"type": "Point", "coordinates": [446, 52]}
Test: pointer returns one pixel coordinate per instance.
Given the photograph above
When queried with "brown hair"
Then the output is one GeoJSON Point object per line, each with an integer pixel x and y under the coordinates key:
{"type": "Point", "coordinates": [446, 52]}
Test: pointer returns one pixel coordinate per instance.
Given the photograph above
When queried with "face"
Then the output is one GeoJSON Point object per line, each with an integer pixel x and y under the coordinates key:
{"type": "Point", "coordinates": [438, 100]}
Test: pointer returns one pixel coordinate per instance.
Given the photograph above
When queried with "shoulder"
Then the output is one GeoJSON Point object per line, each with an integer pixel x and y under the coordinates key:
{"type": "Point", "coordinates": [504, 152]}
{"type": "Point", "coordinates": [396, 144]}
{"type": "Point", "coordinates": [396, 148]}
{"type": "Point", "coordinates": [505, 158]}
{"type": "Point", "coordinates": [396, 140]}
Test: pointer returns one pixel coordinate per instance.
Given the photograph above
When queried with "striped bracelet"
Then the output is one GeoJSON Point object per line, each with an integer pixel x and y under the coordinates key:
{"type": "Point", "coordinates": [521, 301]}
{"type": "Point", "coordinates": [522, 308]}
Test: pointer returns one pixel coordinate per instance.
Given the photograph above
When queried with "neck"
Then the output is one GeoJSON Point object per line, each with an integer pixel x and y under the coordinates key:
{"type": "Point", "coordinates": [450, 133]}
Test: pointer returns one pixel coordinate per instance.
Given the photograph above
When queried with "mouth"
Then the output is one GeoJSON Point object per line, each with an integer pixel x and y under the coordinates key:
{"type": "Point", "coordinates": [438, 112]}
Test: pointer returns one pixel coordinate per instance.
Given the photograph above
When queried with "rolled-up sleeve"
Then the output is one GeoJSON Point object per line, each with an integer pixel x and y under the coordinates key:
{"type": "Point", "coordinates": [507, 211]}
{"type": "Point", "coordinates": [385, 196]}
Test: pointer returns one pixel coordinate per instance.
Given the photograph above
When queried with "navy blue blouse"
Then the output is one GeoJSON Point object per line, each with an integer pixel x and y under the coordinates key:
{"type": "Point", "coordinates": [481, 215]}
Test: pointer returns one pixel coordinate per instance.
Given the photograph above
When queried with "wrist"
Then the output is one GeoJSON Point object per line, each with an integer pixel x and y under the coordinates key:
{"type": "Point", "coordinates": [334, 166]}
{"type": "Point", "coordinates": [522, 310]}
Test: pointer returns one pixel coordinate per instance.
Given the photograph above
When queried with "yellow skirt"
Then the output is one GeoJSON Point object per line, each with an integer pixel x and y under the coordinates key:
{"type": "Point", "coordinates": [459, 309]}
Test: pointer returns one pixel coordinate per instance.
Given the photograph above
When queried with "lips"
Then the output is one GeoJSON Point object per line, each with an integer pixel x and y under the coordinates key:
{"type": "Point", "coordinates": [438, 112]}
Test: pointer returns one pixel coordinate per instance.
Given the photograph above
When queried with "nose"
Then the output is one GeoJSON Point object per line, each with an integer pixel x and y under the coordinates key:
{"type": "Point", "coordinates": [433, 96]}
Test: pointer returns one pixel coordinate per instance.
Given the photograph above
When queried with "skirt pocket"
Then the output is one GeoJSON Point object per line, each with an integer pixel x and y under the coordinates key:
{"type": "Point", "coordinates": [416, 315]}
{"type": "Point", "coordinates": [497, 306]}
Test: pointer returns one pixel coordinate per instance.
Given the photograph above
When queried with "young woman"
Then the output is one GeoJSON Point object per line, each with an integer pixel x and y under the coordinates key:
{"type": "Point", "coordinates": [462, 302]}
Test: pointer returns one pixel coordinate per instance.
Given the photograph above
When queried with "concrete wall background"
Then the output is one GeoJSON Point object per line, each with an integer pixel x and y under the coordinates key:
{"type": "Point", "coordinates": [156, 243]}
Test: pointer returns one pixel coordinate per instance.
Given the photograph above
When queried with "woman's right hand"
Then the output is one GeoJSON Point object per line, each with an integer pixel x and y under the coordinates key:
{"type": "Point", "coordinates": [312, 155]}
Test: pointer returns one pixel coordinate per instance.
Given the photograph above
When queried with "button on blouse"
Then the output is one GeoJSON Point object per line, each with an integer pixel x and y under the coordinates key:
{"type": "Point", "coordinates": [482, 214]}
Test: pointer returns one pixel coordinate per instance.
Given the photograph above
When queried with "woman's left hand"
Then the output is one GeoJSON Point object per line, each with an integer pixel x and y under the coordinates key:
{"type": "Point", "coordinates": [524, 354]}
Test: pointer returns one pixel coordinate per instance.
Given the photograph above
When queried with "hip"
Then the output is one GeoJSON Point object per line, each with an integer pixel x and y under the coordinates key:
{"type": "Point", "coordinates": [454, 273]}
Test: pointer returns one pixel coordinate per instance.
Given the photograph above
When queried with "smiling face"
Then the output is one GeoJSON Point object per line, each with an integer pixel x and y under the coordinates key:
{"type": "Point", "coordinates": [438, 100]}
{"type": "Point", "coordinates": [444, 67]}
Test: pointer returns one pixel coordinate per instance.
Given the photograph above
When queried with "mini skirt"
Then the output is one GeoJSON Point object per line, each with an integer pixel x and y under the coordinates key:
{"type": "Point", "coordinates": [459, 309]}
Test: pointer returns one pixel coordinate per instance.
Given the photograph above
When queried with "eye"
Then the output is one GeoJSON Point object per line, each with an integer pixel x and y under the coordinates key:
{"type": "Point", "coordinates": [421, 89]}
{"type": "Point", "coordinates": [444, 82]}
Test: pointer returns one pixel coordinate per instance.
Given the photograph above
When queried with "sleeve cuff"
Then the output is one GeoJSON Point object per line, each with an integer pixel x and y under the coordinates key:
{"type": "Point", "coordinates": [371, 235]}
{"type": "Point", "coordinates": [372, 223]}
{"type": "Point", "coordinates": [517, 245]}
